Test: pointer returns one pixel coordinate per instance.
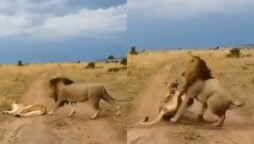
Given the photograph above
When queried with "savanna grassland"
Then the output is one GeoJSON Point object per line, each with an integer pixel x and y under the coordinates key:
{"type": "Point", "coordinates": [28, 84]}
{"type": "Point", "coordinates": [141, 86]}
{"type": "Point", "coordinates": [151, 69]}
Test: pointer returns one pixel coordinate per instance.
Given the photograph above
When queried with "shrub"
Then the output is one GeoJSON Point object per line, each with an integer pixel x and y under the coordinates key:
{"type": "Point", "coordinates": [114, 69]}
{"type": "Point", "coordinates": [133, 50]}
{"type": "Point", "coordinates": [20, 63]}
{"type": "Point", "coordinates": [234, 52]}
{"type": "Point", "coordinates": [245, 68]}
{"type": "Point", "coordinates": [189, 52]}
{"type": "Point", "coordinates": [90, 65]}
{"type": "Point", "coordinates": [124, 61]}
{"type": "Point", "coordinates": [111, 57]}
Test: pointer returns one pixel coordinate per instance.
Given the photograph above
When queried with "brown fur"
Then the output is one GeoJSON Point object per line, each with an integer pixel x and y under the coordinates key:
{"type": "Point", "coordinates": [201, 85]}
{"type": "Point", "coordinates": [53, 85]}
{"type": "Point", "coordinates": [197, 69]}
{"type": "Point", "coordinates": [64, 90]}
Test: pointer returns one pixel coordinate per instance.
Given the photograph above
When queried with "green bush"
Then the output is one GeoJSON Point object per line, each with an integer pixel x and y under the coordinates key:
{"type": "Point", "coordinates": [111, 57]}
{"type": "Point", "coordinates": [20, 63]}
{"type": "Point", "coordinates": [90, 65]}
{"type": "Point", "coordinates": [234, 52]}
{"type": "Point", "coordinates": [133, 50]}
{"type": "Point", "coordinates": [124, 61]}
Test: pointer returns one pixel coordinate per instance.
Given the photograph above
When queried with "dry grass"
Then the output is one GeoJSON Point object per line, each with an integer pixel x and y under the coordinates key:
{"type": "Point", "coordinates": [15, 81]}
{"type": "Point", "coordinates": [236, 74]}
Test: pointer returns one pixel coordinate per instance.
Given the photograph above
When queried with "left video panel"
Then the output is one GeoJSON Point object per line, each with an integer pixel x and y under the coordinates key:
{"type": "Point", "coordinates": [63, 71]}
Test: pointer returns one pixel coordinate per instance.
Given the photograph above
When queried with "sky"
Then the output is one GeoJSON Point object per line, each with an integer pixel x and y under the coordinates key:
{"type": "Point", "coordinates": [72, 30]}
{"type": "Point", "coordinates": [165, 24]}
{"type": "Point", "coordinates": [62, 30]}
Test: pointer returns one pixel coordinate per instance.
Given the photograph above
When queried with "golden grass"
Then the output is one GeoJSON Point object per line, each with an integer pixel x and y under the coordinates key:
{"type": "Point", "coordinates": [236, 74]}
{"type": "Point", "coordinates": [15, 81]}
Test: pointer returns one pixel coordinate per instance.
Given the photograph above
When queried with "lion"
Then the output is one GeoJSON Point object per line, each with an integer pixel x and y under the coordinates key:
{"type": "Point", "coordinates": [21, 110]}
{"type": "Point", "coordinates": [64, 90]}
{"type": "Point", "coordinates": [200, 85]}
{"type": "Point", "coordinates": [168, 105]}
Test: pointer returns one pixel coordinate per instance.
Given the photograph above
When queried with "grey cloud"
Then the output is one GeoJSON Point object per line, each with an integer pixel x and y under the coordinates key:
{"type": "Point", "coordinates": [94, 4]}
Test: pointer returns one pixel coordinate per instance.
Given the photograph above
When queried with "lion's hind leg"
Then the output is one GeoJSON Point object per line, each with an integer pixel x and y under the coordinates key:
{"type": "Point", "coordinates": [72, 112]}
{"type": "Point", "coordinates": [219, 109]}
{"type": "Point", "coordinates": [96, 107]}
{"type": "Point", "coordinates": [202, 112]}
{"type": "Point", "coordinates": [112, 102]}
{"type": "Point", "coordinates": [220, 121]}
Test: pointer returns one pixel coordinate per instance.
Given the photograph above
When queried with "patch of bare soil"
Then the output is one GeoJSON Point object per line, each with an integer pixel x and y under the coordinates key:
{"type": "Point", "coordinates": [238, 127]}
{"type": "Point", "coordinates": [58, 128]}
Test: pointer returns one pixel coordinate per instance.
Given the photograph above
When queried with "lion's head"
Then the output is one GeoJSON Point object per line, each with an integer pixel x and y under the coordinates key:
{"type": "Point", "coordinates": [196, 69]}
{"type": "Point", "coordinates": [53, 85]}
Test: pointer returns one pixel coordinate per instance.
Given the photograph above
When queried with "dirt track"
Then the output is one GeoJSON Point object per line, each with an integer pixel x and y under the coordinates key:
{"type": "Point", "coordinates": [238, 128]}
{"type": "Point", "coordinates": [58, 128]}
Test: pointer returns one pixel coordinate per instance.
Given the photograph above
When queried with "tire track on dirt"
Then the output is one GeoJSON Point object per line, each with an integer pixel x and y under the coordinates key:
{"type": "Point", "coordinates": [13, 132]}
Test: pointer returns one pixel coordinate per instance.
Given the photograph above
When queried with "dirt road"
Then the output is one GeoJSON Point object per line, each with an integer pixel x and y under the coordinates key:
{"type": "Point", "coordinates": [58, 128]}
{"type": "Point", "coordinates": [238, 128]}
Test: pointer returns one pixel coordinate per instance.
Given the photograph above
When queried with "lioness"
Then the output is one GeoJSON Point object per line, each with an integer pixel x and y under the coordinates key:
{"type": "Point", "coordinates": [200, 84]}
{"type": "Point", "coordinates": [168, 105]}
{"type": "Point", "coordinates": [21, 110]}
{"type": "Point", "coordinates": [64, 90]}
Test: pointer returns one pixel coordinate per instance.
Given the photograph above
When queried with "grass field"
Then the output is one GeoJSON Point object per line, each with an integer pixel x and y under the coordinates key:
{"type": "Point", "coordinates": [151, 69]}
{"type": "Point", "coordinates": [141, 85]}
{"type": "Point", "coordinates": [16, 80]}
{"type": "Point", "coordinates": [236, 74]}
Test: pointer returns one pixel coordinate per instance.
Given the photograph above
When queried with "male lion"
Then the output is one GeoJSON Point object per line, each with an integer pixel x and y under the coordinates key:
{"type": "Point", "coordinates": [64, 90]}
{"type": "Point", "coordinates": [200, 84]}
{"type": "Point", "coordinates": [168, 105]}
{"type": "Point", "coordinates": [21, 110]}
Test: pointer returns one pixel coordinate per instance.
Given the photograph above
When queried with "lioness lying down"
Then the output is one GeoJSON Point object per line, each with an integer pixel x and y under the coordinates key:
{"type": "Point", "coordinates": [169, 104]}
{"type": "Point", "coordinates": [64, 90]}
{"type": "Point", "coordinates": [21, 110]}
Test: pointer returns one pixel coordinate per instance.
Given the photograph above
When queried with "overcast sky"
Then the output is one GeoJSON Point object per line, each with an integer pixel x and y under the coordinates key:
{"type": "Point", "coordinates": [161, 24]}
{"type": "Point", "coordinates": [62, 30]}
{"type": "Point", "coordinates": [72, 30]}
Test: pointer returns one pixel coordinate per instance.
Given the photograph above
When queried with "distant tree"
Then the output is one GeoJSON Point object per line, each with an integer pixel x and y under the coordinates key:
{"type": "Point", "coordinates": [217, 48]}
{"type": "Point", "coordinates": [124, 61]}
{"type": "Point", "coordinates": [133, 50]}
{"type": "Point", "coordinates": [111, 57]}
{"type": "Point", "coordinates": [20, 63]}
{"type": "Point", "coordinates": [90, 65]}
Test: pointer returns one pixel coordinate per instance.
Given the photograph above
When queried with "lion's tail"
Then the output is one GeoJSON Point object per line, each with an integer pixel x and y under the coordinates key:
{"type": "Point", "coordinates": [237, 103]}
{"type": "Point", "coordinates": [156, 120]}
{"type": "Point", "coordinates": [108, 98]}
